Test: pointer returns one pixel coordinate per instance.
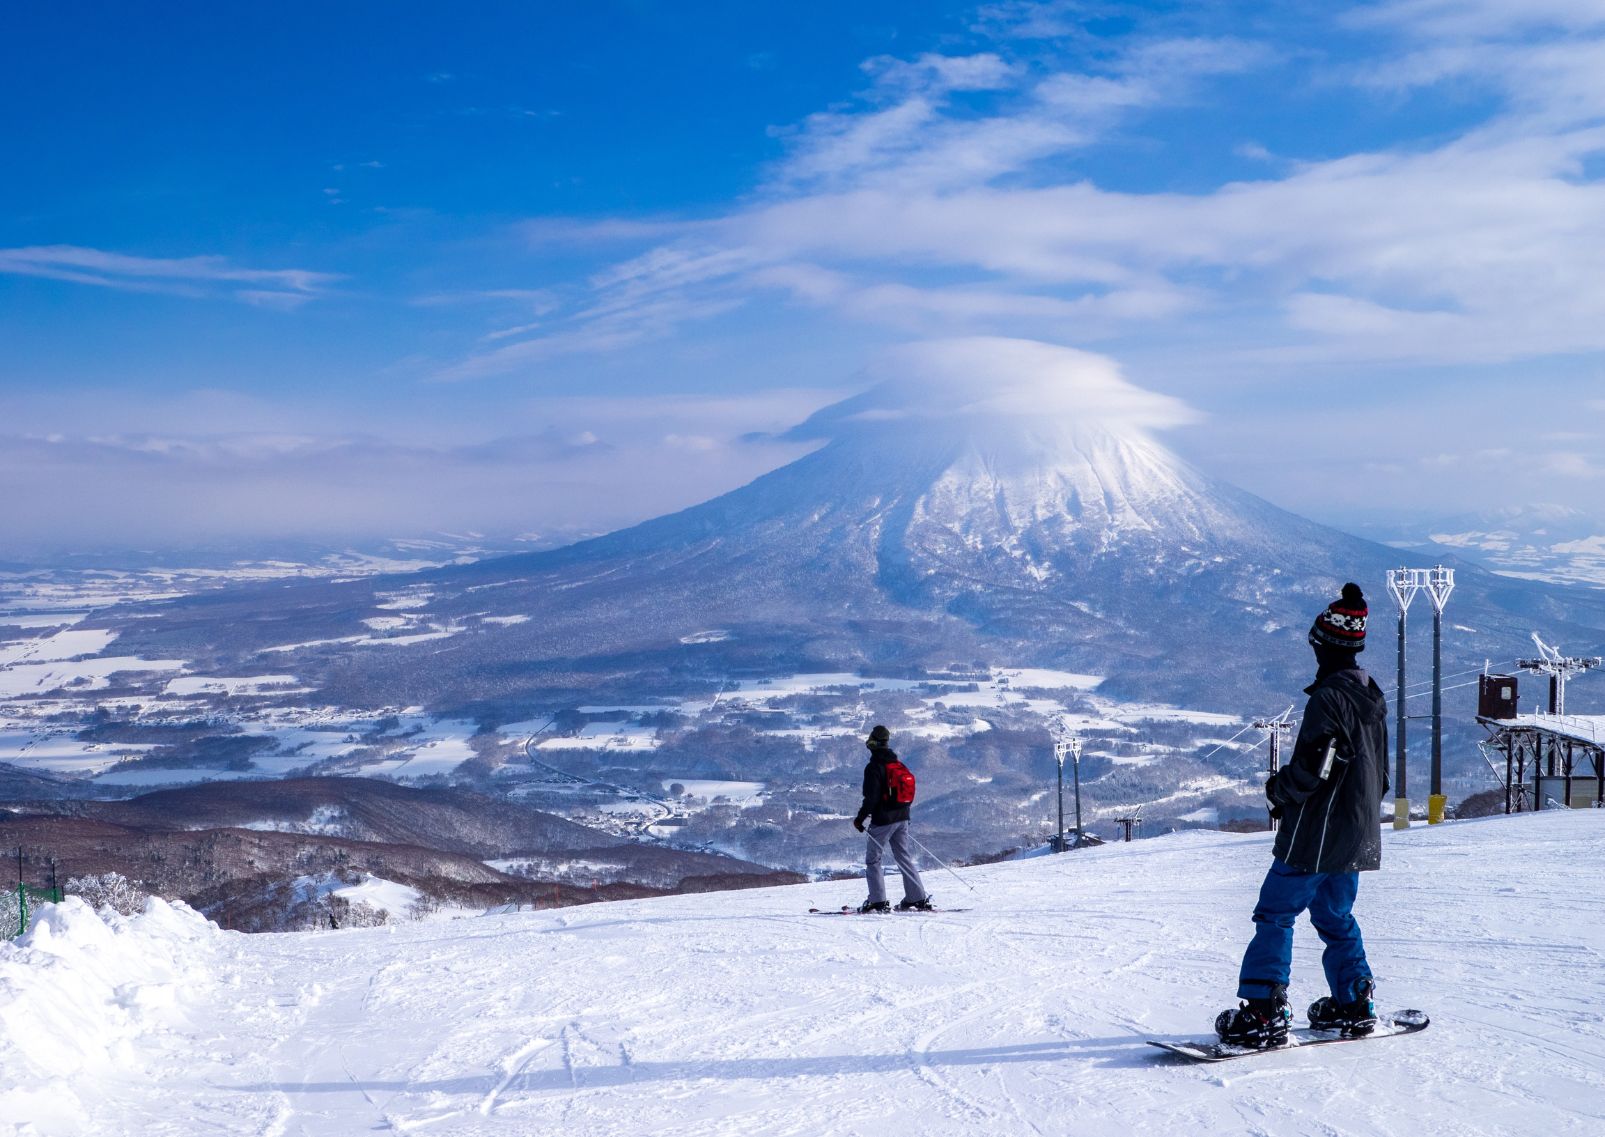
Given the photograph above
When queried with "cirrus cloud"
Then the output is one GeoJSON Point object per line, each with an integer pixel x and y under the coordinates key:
{"type": "Point", "coordinates": [197, 276]}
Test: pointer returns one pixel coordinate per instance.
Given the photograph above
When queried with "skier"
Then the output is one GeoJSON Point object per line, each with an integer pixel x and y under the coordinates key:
{"type": "Point", "coordinates": [1327, 799]}
{"type": "Point", "coordinates": [888, 792]}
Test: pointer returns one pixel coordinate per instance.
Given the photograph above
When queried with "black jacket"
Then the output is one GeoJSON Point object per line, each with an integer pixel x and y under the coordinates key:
{"type": "Point", "coordinates": [878, 804]}
{"type": "Point", "coordinates": [1334, 825]}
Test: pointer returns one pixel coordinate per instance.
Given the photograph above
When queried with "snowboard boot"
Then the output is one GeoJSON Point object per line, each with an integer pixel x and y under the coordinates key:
{"type": "Point", "coordinates": [907, 905]}
{"type": "Point", "coordinates": [1354, 1019]}
{"type": "Point", "coordinates": [1259, 1024]}
{"type": "Point", "coordinates": [874, 906]}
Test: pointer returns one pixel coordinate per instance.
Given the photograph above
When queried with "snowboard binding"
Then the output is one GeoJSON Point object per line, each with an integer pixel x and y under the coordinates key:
{"type": "Point", "coordinates": [1354, 1019]}
{"type": "Point", "coordinates": [1258, 1024]}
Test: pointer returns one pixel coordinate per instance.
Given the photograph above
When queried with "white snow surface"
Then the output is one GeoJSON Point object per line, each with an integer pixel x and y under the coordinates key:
{"type": "Point", "coordinates": [324, 820]}
{"type": "Point", "coordinates": [87, 1000]}
{"type": "Point", "coordinates": [30, 679]}
{"type": "Point", "coordinates": [71, 644]}
{"type": "Point", "coordinates": [40, 619]}
{"type": "Point", "coordinates": [387, 895]}
{"type": "Point", "coordinates": [738, 793]}
{"type": "Point", "coordinates": [235, 685]}
{"type": "Point", "coordinates": [604, 736]}
{"type": "Point", "coordinates": [738, 1014]}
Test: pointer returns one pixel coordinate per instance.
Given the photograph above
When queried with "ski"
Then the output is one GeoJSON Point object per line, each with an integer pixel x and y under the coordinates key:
{"type": "Point", "coordinates": [1203, 1050]}
{"type": "Point", "coordinates": [848, 910]}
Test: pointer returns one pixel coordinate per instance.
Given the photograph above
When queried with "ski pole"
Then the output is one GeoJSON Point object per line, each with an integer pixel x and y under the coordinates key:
{"type": "Point", "coordinates": [941, 862]}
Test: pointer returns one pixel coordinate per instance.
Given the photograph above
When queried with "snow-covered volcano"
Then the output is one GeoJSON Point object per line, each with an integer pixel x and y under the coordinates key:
{"type": "Point", "coordinates": [1018, 502]}
{"type": "Point", "coordinates": [994, 439]}
{"type": "Point", "coordinates": [986, 501]}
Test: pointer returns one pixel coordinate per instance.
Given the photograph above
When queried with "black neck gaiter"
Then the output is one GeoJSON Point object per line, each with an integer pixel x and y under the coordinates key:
{"type": "Point", "coordinates": [1331, 660]}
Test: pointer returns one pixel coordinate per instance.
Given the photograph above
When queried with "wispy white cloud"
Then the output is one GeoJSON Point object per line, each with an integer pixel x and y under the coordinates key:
{"type": "Point", "coordinates": [1544, 58]}
{"type": "Point", "coordinates": [1571, 464]}
{"type": "Point", "coordinates": [602, 329]}
{"type": "Point", "coordinates": [187, 276]}
{"type": "Point", "coordinates": [1462, 18]}
{"type": "Point", "coordinates": [907, 133]}
{"type": "Point", "coordinates": [591, 232]}
{"type": "Point", "coordinates": [114, 468]}
{"type": "Point", "coordinates": [538, 301]}
{"type": "Point", "coordinates": [268, 298]}
{"type": "Point", "coordinates": [935, 310]}
{"type": "Point", "coordinates": [900, 178]}
{"type": "Point", "coordinates": [943, 198]}
{"type": "Point", "coordinates": [1481, 248]}
{"type": "Point", "coordinates": [1039, 19]}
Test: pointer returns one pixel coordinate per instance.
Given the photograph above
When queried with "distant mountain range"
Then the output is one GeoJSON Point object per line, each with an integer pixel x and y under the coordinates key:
{"type": "Point", "coordinates": [1554, 543]}
{"type": "Point", "coordinates": [288, 557]}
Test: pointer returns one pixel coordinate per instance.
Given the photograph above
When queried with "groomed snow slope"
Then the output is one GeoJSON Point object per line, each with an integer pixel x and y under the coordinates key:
{"type": "Point", "coordinates": [739, 1014]}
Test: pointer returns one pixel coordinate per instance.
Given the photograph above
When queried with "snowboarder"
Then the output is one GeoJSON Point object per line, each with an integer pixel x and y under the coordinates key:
{"type": "Point", "coordinates": [1327, 799]}
{"type": "Point", "coordinates": [888, 793]}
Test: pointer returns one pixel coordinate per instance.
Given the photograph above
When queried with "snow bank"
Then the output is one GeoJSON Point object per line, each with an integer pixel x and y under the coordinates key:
{"type": "Point", "coordinates": [82, 993]}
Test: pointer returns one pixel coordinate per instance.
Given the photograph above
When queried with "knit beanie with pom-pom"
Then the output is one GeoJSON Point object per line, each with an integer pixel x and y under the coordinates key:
{"type": "Point", "coordinates": [1342, 623]}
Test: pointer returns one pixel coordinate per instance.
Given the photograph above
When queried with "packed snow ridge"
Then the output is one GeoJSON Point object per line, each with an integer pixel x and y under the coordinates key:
{"type": "Point", "coordinates": [1022, 1010]}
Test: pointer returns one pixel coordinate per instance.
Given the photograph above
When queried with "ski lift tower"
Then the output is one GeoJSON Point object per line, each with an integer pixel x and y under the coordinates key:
{"type": "Point", "coordinates": [1558, 667]}
{"type": "Point", "coordinates": [1554, 745]}
{"type": "Point", "coordinates": [1440, 583]}
{"type": "Point", "coordinates": [1127, 824]}
{"type": "Point", "coordinates": [1067, 743]}
{"type": "Point", "coordinates": [1275, 729]}
{"type": "Point", "coordinates": [1403, 583]}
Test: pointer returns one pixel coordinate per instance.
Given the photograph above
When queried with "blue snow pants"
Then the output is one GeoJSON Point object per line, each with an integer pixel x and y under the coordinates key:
{"type": "Point", "coordinates": [1329, 897]}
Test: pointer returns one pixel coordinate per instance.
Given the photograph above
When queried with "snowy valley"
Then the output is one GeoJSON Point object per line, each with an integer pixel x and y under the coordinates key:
{"type": "Point", "coordinates": [963, 580]}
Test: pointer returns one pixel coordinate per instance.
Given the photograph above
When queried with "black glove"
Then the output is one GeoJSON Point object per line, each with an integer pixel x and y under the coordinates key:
{"type": "Point", "coordinates": [858, 824]}
{"type": "Point", "coordinates": [1270, 797]}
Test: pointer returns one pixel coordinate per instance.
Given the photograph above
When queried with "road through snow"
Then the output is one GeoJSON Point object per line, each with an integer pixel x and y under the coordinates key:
{"type": "Point", "coordinates": [740, 1014]}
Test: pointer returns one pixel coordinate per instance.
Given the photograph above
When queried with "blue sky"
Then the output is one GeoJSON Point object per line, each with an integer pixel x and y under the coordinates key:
{"type": "Point", "coordinates": [381, 268]}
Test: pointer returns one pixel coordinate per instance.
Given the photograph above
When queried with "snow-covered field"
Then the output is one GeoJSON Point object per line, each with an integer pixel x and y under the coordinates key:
{"type": "Point", "coordinates": [80, 675]}
{"type": "Point", "coordinates": [737, 793]}
{"type": "Point", "coordinates": [55, 675]}
{"type": "Point", "coordinates": [740, 1014]}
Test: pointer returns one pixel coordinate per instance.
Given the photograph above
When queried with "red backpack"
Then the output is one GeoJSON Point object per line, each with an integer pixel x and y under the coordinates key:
{"type": "Point", "coordinates": [899, 783]}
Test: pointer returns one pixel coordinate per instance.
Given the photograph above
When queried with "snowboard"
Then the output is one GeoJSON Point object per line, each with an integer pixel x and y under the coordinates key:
{"type": "Point", "coordinates": [846, 910]}
{"type": "Point", "coordinates": [1209, 1050]}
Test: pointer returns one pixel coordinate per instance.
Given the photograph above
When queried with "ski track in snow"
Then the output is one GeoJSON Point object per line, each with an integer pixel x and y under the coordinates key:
{"type": "Point", "coordinates": [731, 1014]}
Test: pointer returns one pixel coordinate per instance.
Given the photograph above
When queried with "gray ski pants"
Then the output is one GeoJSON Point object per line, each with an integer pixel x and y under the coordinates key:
{"type": "Point", "coordinates": [895, 835]}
